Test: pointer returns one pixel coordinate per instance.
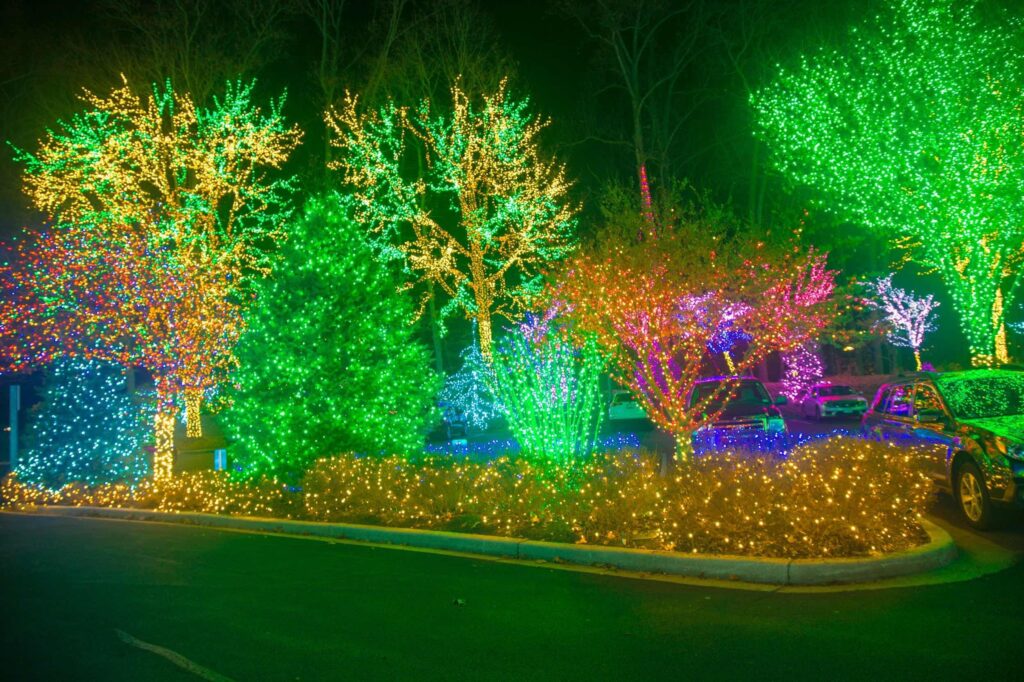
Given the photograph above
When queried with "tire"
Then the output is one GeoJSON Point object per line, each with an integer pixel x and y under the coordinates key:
{"type": "Point", "coordinates": [972, 497]}
{"type": "Point", "coordinates": [817, 413]}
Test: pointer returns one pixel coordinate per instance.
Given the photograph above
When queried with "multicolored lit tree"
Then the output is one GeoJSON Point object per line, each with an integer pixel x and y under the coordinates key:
{"type": "Point", "coordinates": [87, 428]}
{"type": "Point", "coordinates": [915, 129]}
{"type": "Point", "coordinates": [194, 185]}
{"type": "Point", "coordinates": [656, 305]}
{"type": "Point", "coordinates": [485, 210]}
{"type": "Point", "coordinates": [909, 316]}
{"type": "Point", "coordinates": [471, 389]}
{"type": "Point", "coordinates": [108, 295]}
{"type": "Point", "coordinates": [329, 362]}
{"type": "Point", "coordinates": [550, 389]}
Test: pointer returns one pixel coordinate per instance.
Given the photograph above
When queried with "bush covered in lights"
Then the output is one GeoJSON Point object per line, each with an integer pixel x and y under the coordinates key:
{"type": "Point", "coordinates": [329, 362]}
{"type": "Point", "coordinates": [87, 428]}
{"type": "Point", "coordinates": [837, 497]}
{"type": "Point", "coordinates": [549, 389]}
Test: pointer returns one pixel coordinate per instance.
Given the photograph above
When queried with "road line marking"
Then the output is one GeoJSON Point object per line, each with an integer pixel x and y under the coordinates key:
{"type": "Point", "coordinates": [174, 657]}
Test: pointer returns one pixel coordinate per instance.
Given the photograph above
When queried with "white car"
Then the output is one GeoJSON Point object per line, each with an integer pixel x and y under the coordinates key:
{"type": "Point", "coordinates": [624, 406]}
{"type": "Point", "coordinates": [833, 400]}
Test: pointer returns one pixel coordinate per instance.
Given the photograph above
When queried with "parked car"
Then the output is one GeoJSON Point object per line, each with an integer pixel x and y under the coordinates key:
{"type": "Point", "coordinates": [624, 405]}
{"type": "Point", "coordinates": [971, 425]}
{"type": "Point", "coordinates": [746, 410]}
{"type": "Point", "coordinates": [833, 400]}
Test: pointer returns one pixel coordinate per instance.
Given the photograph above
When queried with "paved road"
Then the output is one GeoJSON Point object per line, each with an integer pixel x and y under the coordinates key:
{"type": "Point", "coordinates": [252, 607]}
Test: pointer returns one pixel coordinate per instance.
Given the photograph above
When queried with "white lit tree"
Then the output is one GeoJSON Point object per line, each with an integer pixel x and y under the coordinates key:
{"type": "Point", "coordinates": [909, 316]}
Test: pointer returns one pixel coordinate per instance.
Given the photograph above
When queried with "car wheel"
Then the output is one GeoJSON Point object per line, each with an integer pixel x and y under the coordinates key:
{"type": "Point", "coordinates": [817, 413]}
{"type": "Point", "coordinates": [972, 496]}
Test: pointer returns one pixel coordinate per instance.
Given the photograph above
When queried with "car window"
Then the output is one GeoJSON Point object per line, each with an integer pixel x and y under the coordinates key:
{"type": "Point", "coordinates": [837, 390]}
{"type": "Point", "coordinates": [900, 399]}
{"type": "Point", "coordinates": [927, 401]}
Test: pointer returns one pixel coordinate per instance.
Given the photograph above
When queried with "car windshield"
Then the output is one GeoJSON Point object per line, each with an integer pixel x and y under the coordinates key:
{"type": "Point", "coordinates": [984, 394]}
{"type": "Point", "coordinates": [836, 390]}
{"type": "Point", "coordinates": [744, 393]}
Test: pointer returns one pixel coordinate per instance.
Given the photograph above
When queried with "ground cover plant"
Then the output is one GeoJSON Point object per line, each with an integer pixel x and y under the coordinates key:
{"type": "Point", "coordinates": [835, 497]}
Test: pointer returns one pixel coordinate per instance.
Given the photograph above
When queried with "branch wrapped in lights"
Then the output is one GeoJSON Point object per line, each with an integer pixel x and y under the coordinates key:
{"type": "Point", "coordinates": [657, 305]}
{"type": "Point", "coordinates": [909, 316]}
{"type": "Point", "coordinates": [550, 389]}
{"type": "Point", "coordinates": [916, 130]}
{"type": "Point", "coordinates": [483, 165]}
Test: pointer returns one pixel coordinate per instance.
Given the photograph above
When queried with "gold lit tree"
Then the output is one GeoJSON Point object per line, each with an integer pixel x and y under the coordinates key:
{"type": "Point", "coordinates": [465, 199]}
{"type": "Point", "coordinates": [180, 189]}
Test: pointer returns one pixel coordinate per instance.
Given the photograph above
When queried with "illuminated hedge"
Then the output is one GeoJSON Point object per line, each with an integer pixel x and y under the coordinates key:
{"type": "Point", "coordinates": [838, 497]}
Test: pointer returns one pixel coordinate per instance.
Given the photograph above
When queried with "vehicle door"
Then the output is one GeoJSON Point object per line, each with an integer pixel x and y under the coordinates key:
{"type": "Point", "coordinates": [932, 429]}
{"type": "Point", "coordinates": [896, 419]}
{"type": "Point", "coordinates": [871, 422]}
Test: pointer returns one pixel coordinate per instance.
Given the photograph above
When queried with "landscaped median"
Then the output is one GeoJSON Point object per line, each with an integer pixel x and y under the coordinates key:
{"type": "Point", "coordinates": [835, 510]}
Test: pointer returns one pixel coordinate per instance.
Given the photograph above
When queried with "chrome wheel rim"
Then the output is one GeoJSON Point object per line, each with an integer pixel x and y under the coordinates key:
{"type": "Point", "coordinates": [970, 496]}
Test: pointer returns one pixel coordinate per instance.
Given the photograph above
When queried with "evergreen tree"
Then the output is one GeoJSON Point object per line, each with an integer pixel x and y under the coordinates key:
{"type": "Point", "coordinates": [329, 363]}
{"type": "Point", "coordinates": [86, 429]}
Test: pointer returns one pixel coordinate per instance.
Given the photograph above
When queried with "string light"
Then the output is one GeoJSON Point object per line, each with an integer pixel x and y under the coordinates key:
{"type": "Point", "coordinates": [803, 369]}
{"type": "Point", "coordinates": [916, 129]}
{"type": "Point", "coordinates": [186, 189]}
{"type": "Point", "coordinates": [910, 316]}
{"type": "Point", "coordinates": [838, 497]}
{"type": "Point", "coordinates": [329, 362]}
{"type": "Point", "coordinates": [470, 390]}
{"type": "Point", "coordinates": [86, 428]}
{"type": "Point", "coordinates": [656, 305]}
{"type": "Point", "coordinates": [550, 389]}
{"type": "Point", "coordinates": [483, 163]}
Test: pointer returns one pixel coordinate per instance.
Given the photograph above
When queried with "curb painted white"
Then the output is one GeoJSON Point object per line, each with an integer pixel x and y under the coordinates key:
{"type": "Point", "coordinates": [938, 552]}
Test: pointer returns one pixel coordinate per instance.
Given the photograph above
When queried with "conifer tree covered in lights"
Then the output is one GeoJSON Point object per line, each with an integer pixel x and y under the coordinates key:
{"type": "Point", "coordinates": [487, 212]}
{"type": "Point", "coordinates": [202, 186]}
{"type": "Point", "coordinates": [471, 389]}
{"type": "Point", "coordinates": [87, 429]}
{"type": "Point", "coordinates": [549, 388]}
{"type": "Point", "coordinates": [329, 362]}
{"type": "Point", "coordinates": [909, 316]}
{"type": "Point", "coordinates": [915, 128]}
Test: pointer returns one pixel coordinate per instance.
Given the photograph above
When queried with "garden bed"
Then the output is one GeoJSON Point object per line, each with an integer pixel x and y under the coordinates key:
{"type": "Point", "coordinates": [841, 497]}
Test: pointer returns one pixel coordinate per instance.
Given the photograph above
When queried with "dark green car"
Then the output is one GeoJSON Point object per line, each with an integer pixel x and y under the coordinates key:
{"type": "Point", "coordinates": [972, 426]}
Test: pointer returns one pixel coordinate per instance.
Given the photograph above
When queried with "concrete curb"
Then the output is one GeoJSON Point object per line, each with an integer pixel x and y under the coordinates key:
{"type": "Point", "coordinates": [938, 552]}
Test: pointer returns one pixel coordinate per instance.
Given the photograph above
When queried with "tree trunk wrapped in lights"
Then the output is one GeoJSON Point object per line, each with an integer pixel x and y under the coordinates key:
{"type": "Point", "coordinates": [657, 305]}
{"type": "Point", "coordinates": [916, 130]}
{"type": "Point", "coordinates": [489, 211]}
{"type": "Point", "coordinates": [163, 214]}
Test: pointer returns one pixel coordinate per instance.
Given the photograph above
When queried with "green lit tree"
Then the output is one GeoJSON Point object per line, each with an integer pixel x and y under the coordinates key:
{"type": "Point", "coordinates": [86, 429]}
{"type": "Point", "coordinates": [916, 129]}
{"type": "Point", "coordinates": [329, 363]}
{"type": "Point", "coordinates": [474, 208]}
{"type": "Point", "coordinates": [549, 389]}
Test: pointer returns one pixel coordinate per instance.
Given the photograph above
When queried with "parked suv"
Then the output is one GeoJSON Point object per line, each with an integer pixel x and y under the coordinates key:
{"type": "Point", "coordinates": [971, 425]}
